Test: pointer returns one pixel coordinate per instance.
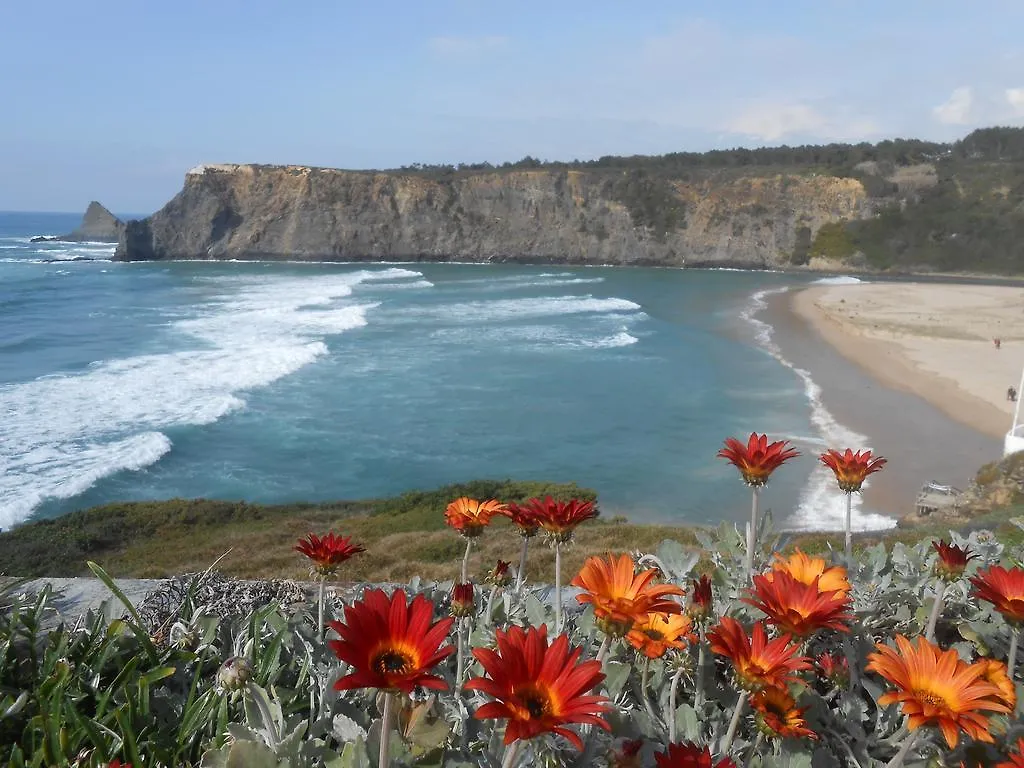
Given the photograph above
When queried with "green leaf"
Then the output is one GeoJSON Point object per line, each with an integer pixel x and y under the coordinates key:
{"type": "Point", "coordinates": [103, 576]}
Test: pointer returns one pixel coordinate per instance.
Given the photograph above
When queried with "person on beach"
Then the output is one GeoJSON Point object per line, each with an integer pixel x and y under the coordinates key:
{"type": "Point", "coordinates": [1011, 395]}
{"type": "Point", "coordinates": [997, 342]}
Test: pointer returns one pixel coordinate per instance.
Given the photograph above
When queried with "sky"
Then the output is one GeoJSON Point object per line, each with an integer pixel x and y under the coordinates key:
{"type": "Point", "coordinates": [115, 100]}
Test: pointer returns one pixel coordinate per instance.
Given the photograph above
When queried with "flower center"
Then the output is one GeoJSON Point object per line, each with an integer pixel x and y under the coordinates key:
{"type": "Point", "coordinates": [535, 702]}
{"type": "Point", "coordinates": [654, 634]}
{"type": "Point", "coordinates": [392, 662]}
{"type": "Point", "coordinates": [931, 698]}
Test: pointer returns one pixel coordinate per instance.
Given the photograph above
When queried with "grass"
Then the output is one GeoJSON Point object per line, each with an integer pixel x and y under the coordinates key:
{"type": "Point", "coordinates": [405, 536]}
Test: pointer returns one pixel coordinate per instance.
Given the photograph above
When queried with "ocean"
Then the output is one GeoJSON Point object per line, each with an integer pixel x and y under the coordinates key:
{"type": "Point", "coordinates": [278, 382]}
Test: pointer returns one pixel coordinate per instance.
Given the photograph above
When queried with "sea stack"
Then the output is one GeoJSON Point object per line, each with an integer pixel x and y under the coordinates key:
{"type": "Point", "coordinates": [98, 226]}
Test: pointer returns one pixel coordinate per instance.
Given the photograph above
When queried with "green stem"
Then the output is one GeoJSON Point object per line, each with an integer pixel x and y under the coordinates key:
{"type": "Point", "coordinates": [849, 529]}
{"type": "Point", "coordinates": [521, 573]}
{"type": "Point", "coordinates": [383, 756]}
{"type": "Point", "coordinates": [897, 761]}
{"type": "Point", "coordinates": [754, 749]}
{"type": "Point", "coordinates": [933, 620]}
{"type": "Point", "coordinates": [741, 703]}
{"type": "Point", "coordinates": [752, 532]}
{"type": "Point", "coordinates": [558, 586]}
{"type": "Point", "coordinates": [490, 605]}
{"type": "Point", "coordinates": [670, 716]}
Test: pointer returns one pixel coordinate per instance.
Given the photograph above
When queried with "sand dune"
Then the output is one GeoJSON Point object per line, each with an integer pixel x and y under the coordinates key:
{"type": "Point", "coordinates": [935, 340]}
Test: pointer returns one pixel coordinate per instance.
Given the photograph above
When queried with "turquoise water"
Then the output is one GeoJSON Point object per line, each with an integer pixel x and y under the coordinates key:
{"type": "Point", "coordinates": [283, 382]}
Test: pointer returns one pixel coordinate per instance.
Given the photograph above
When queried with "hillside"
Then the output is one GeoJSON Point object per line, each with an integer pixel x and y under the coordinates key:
{"type": "Point", "coordinates": [897, 205]}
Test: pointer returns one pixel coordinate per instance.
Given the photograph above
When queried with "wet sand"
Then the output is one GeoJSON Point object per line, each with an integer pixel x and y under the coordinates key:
{"type": "Point", "coordinates": [922, 442]}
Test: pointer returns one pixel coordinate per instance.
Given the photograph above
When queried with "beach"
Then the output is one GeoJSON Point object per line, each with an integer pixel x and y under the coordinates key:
{"type": "Point", "coordinates": [936, 341]}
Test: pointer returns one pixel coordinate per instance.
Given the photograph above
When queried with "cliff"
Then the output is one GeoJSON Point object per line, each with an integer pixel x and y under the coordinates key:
{"type": "Point", "coordinates": [547, 214]}
{"type": "Point", "coordinates": [98, 225]}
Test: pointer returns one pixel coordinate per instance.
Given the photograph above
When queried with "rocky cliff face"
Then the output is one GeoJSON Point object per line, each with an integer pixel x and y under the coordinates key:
{"type": "Point", "coordinates": [98, 226]}
{"type": "Point", "coordinates": [549, 215]}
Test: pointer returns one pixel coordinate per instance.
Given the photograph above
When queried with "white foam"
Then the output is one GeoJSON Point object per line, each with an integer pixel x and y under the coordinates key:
{"type": "Point", "coordinates": [621, 339]}
{"type": "Point", "coordinates": [60, 434]}
{"type": "Point", "coordinates": [508, 309]}
{"type": "Point", "coordinates": [838, 280]}
{"type": "Point", "coordinates": [822, 506]}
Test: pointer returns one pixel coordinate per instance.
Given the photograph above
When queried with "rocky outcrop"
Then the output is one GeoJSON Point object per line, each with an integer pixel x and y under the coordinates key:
{"type": "Point", "coordinates": [98, 226]}
{"type": "Point", "coordinates": [547, 215]}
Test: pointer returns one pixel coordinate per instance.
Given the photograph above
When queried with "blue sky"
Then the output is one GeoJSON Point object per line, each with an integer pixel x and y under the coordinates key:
{"type": "Point", "coordinates": [116, 99]}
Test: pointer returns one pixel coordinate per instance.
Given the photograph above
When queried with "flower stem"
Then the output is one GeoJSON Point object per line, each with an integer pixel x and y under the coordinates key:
{"type": "Point", "coordinates": [521, 574]}
{"type": "Point", "coordinates": [741, 703]}
{"type": "Point", "coordinates": [490, 605]}
{"type": "Point", "coordinates": [754, 750]}
{"type": "Point", "coordinates": [1011, 659]}
{"type": "Point", "coordinates": [752, 531]}
{"type": "Point", "coordinates": [385, 730]}
{"type": "Point", "coordinates": [670, 716]}
{"type": "Point", "coordinates": [558, 586]}
{"type": "Point", "coordinates": [698, 694]}
{"type": "Point", "coordinates": [606, 643]}
{"type": "Point", "coordinates": [908, 743]}
{"type": "Point", "coordinates": [320, 610]}
{"type": "Point", "coordinates": [933, 620]}
{"type": "Point", "coordinates": [460, 656]}
{"type": "Point", "coordinates": [511, 753]}
{"type": "Point", "coordinates": [849, 529]}
{"type": "Point", "coordinates": [465, 561]}
{"type": "Point", "coordinates": [644, 677]}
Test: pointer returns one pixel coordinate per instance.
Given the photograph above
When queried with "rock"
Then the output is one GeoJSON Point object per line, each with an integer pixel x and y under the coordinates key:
{"type": "Point", "coordinates": [98, 225]}
{"type": "Point", "coordinates": [545, 215]}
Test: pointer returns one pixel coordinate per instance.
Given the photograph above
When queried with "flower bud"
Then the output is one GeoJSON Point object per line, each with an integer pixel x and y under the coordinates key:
{"type": "Point", "coordinates": [462, 600]}
{"type": "Point", "coordinates": [500, 575]}
{"type": "Point", "coordinates": [234, 673]}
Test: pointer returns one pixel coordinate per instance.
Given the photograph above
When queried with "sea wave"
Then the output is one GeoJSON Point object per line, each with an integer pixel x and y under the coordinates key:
{"type": "Point", "coordinates": [512, 309]}
{"type": "Point", "coordinates": [821, 505]}
{"type": "Point", "coordinates": [837, 280]}
{"type": "Point", "coordinates": [62, 433]}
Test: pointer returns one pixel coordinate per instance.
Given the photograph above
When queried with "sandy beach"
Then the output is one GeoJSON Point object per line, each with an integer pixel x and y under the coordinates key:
{"type": "Point", "coordinates": [932, 340]}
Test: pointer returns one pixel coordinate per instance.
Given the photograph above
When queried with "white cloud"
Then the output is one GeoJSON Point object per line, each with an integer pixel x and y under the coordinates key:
{"type": "Point", "coordinates": [774, 122]}
{"type": "Point", "coordinates": [448, 45]}
{"type": "Point", "coordinates": [1015, 98]}
{"type": "Point", "coordinates": [957, 109]}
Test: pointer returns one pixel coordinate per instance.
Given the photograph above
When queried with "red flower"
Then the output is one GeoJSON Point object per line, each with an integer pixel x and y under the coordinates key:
{"type": "Point", "coordinates": [390, 643]}
{"type": "Point", "coordinates": [699, 606]}
{"type": "Point", "coordinates": [560, 518]}
{"type": "Point", "coordinates": [834, 668]}
{"type": "Point", "coordinates": [523, 518]}
{"type": "Point", "coordinates": [797, 608]}
{"type": "Point", "coordinates": [499, 576]}
{"type": "Point", "coordinates": [1016, 760]}
{"type": "Point", "coordinates": [757, 459]}
{"type": "Point", "coordinates": [116, 763]}
{"type": "Point", "coordinates": [469, 517]}
{"type": "Point", "coordinates": [462, 600]}
{"type": "Point", "coordinates": [539, 688]}
{"type": "Point", "coordinates": [757, 662]}
{"type": "Point", "coordinates": [1004, 588]}
{"type": "Point", "coordinates": [952, 560]}
{"type": "Point", "coordinates": [627, 755]}
{"type": "Point", "coordinates": [778, 715]}
{"type": "Point", "coordinates": [327, 553]}
{"type": "Point", "coordinates": [851, 469]}
{"type": "Point", "coordinates": [689, 755]}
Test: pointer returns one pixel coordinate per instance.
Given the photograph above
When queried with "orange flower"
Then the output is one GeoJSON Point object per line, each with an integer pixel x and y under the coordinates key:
{"type": "Point", "coordinates": [806, 569]}
{"type": "Point", "coordinates": [539, 688]}
{"type": "Point", "coordinates": [462, 600]}
{"type": "Point", "coordinates": [688, 755]}
{"type": "Point", "coordinates": [851, 469]}
{"type": "Point", "coordinates": [757, 662]}
{"type": "Point", "coordinates": [469, 516]}
{"type": "Point", "coordinates": [1015, 760]}
{"type": "Point", "coordinates": [699, 607]}
{"type": "Point", "coordinates": [757, 459]}
{"type": "Point", "coordinates": [524, 520]}
{"type": "Point", "coordinates": [560, 518]}
{"type": "Point", "coordinates": [390, 643]}
{"type": "Point", "coordinates": [952, 561]}
{"type": "Point", "coordinates": [327, 553]}
{"type": "Point", "coordinates": [658, 632]}
{"type": "Point", "coordinates": [620, 595]}
{"type": "Point", "coordinates": [797, 608]}
{"type": "Point", "coordinates": [778, 715]}
{"type": "Point", "coordinates": [1004, 588]}
{"type": "Point", "coordinates": [994, 671]}
{"type": "Point", "coordinates": [936, 688]}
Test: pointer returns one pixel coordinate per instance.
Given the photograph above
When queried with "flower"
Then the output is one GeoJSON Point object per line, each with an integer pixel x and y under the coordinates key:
{"type": "Point", "coordinates": [560, 518]}
{"type": "Point", "coordinates": [499, 576]}
{"type": "Point", "coordinates": [994, 671]}
{"type": "Point", "coordinates": [116, 763]}
{"type": "Point", "coordinates": [234, 673]}
{"type": "Point", "coordinates": [538, 687]}
{"type": "Point", "coordinates": [688, 755]}
{"type": "Point", "coordinates": [621, 596]}
{"type": "Point", "coordinates": [777, 714]}
{"type": "Point", "coordinates": [523, 518]}
{"type": "Point", "coordinates": [797, 608]}
{"type": "Point", "coordinates": [757, 459]}
{"type": "Point", "coordinates": [327, 553]}
{"type": "Point", "coordinates": [658, 632]}
{"type": "Point", "coordinates": [834, 668]}
{"type": "Point", "coordinates": [936, 688]}
{"type": "Point", "coordinates": [391, 643]}
{"type": "Point", "coordinates": [952, 560]}
{"type": "Point", "coordinates": [851, 469]}
{"type": "Point", "coordinates": [699, 606]}
{"type": "Point", "coordinates": [462, 600]}
{"type": "Point", "coordinates": [627, 755]}
{"type": "Point", "coordinates": [1015, 760]}
{"type": "Point", "coordinates": [756, 661]}
{"type": "Point", "coordinates": [1004, 588]}
{"type": "Point", "coordinates": [806, 569]}
{"type": "Point", "coordinates": [469, 517]}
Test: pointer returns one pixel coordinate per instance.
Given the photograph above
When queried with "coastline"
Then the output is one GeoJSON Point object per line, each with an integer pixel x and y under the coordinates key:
{"type": "Point", "coordinates": [922, 442]}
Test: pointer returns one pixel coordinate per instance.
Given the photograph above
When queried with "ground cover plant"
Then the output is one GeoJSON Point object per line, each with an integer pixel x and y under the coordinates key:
{"type": "Point", "coordinates": [729, 654]}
